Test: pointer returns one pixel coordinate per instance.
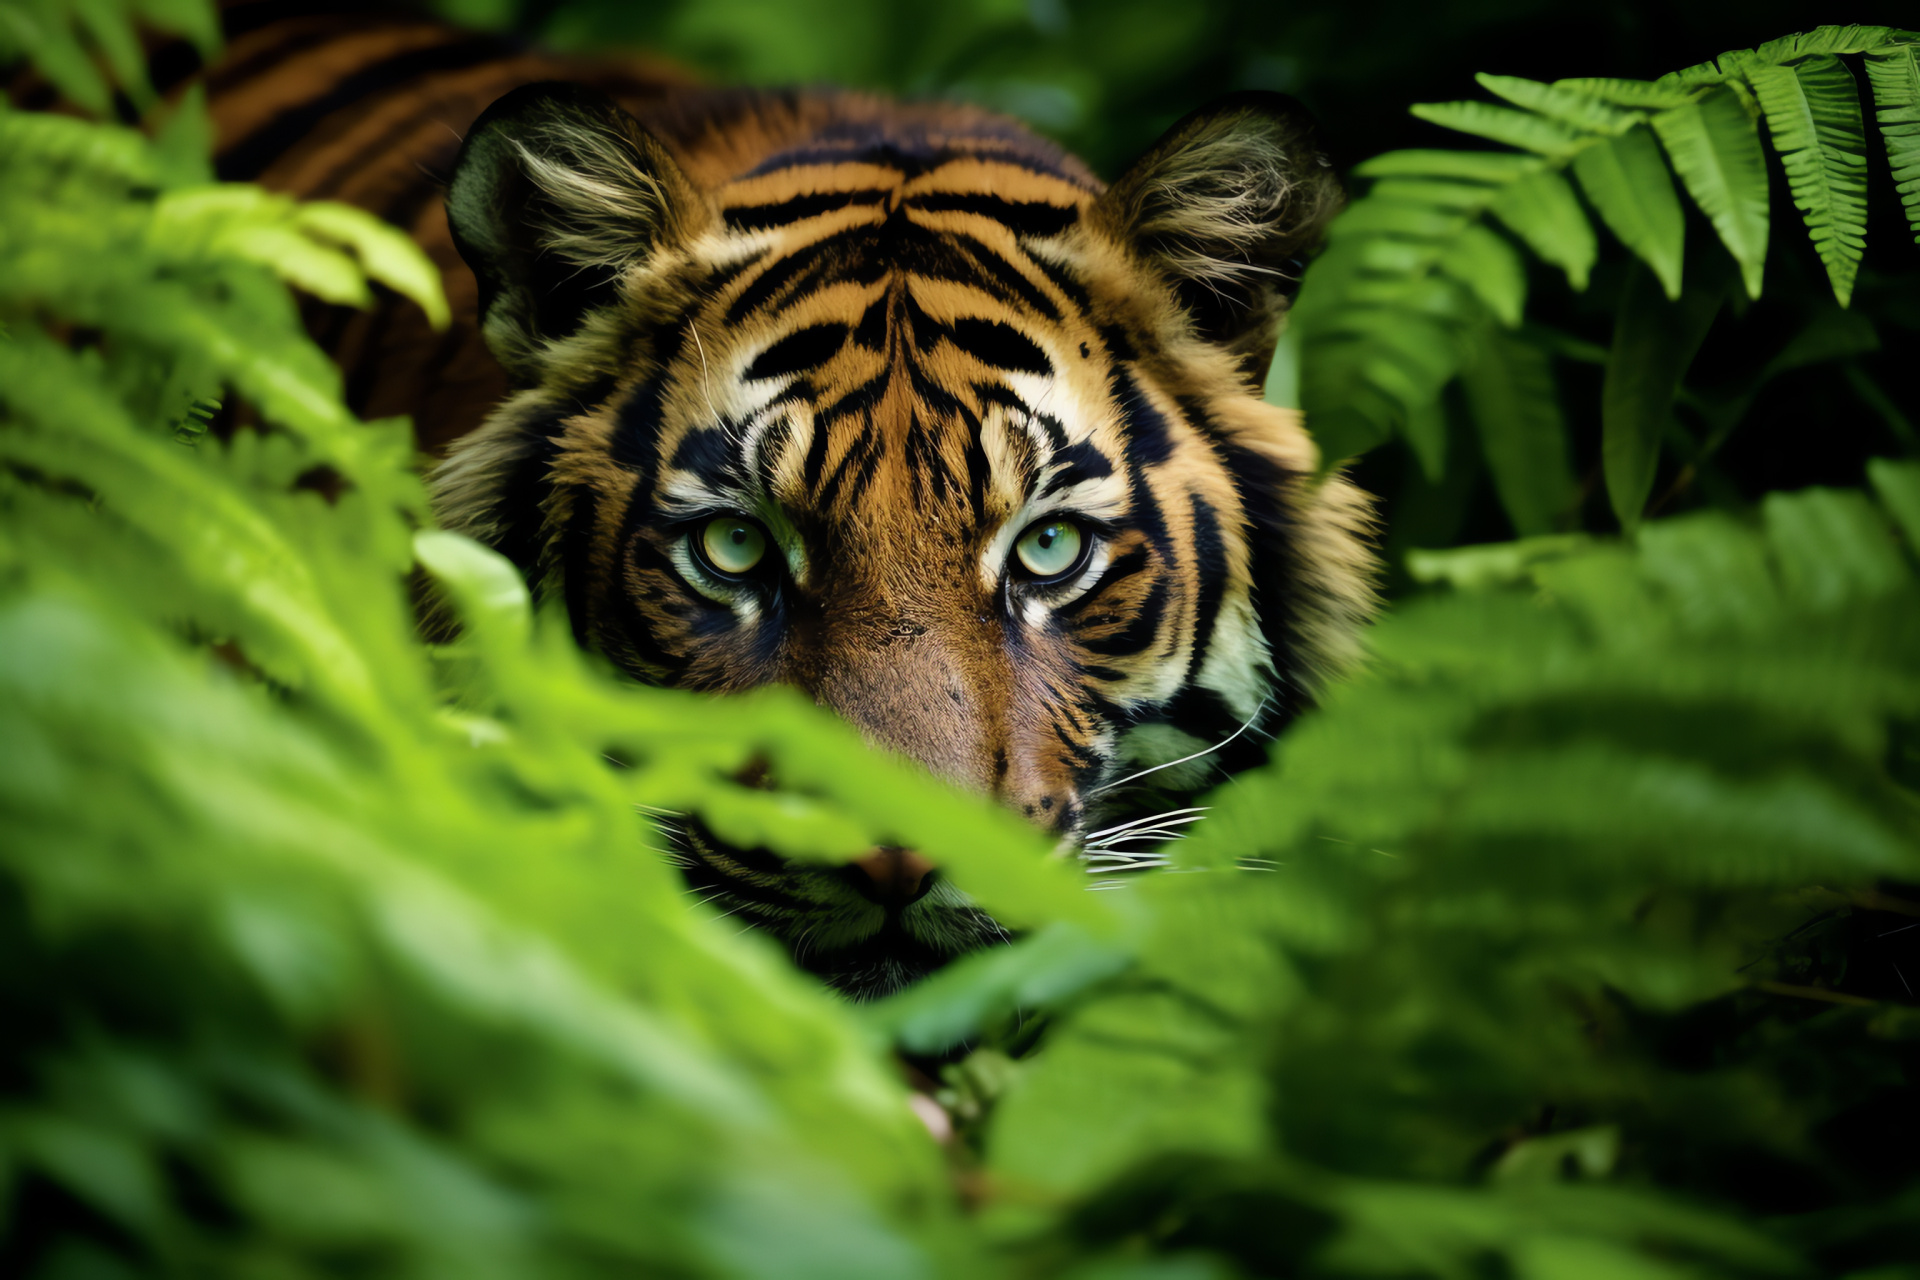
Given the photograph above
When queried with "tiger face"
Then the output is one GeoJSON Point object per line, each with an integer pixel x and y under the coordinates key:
{"type": "Point", "coordinates": [897, 405]}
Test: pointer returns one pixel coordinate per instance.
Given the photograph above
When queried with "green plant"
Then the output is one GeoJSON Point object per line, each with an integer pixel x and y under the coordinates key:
{"type": "Point", "coordinates": [1419, 285]}
{"type": "Point", "coordinates": [1563, 941]}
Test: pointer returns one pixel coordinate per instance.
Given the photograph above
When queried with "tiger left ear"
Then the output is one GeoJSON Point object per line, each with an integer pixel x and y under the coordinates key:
{"type": "Point", "coordinates": [1224, 207]}
{"type": "Point", "coordinates": [556, 194]}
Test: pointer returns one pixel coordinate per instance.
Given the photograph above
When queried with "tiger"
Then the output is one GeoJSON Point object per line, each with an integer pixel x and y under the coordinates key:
{"type": "Point", "coordinates": [892, 402]}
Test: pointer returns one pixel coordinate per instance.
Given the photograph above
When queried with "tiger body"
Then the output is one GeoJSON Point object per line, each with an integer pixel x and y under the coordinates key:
{"type": "Point", "coordinates": [889, 350]}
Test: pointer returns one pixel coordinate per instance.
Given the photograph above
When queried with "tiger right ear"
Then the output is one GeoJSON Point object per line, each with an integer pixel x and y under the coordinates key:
{"type": "Point", "coordinates": [556, 194]}
{"type": "Point", "coordinates": [1224, 207]}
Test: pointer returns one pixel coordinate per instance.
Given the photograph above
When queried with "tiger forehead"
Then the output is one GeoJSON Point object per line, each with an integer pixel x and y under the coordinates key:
{"type": "Point", "coordinates": [891, 333]}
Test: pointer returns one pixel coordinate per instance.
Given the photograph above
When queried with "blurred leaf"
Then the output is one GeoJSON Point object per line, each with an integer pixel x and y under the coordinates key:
{"type": "Point", "coordinates": [1541, 210]}
{"type": "Point", "coordinates": [1653, 343]}
{"type": "Point", "coordinates": [1511, 393]}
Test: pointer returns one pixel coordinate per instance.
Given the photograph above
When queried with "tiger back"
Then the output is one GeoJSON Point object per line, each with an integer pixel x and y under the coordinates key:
{"type": "Point", "coordinates": [895, 403]}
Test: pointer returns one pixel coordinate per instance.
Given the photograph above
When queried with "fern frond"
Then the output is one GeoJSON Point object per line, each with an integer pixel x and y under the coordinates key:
{"type": "Point", "coordinates": [1654, 340]}
{"type": "Point", "coordinates": [1513, 399]}
{"type": "Point", "coordinates": [1585, 112]}
{"type": "Point", "coordinates": [60, 36]}
{"type": "Point", "coordinates": [1541, 209]}
{"type": "Point", "coordinates": [1894, 71]}
{"type": "Point", "coordinates": [1540, 134]}
{"type": "Point", "coordinates": [1716, 151]}
{"type": "Point", "coordinates": [1627, 182]}
{"type": "Point", "coordinates": [1813, 112]}
{"type": "Point", "coordinates": [1705, 120]}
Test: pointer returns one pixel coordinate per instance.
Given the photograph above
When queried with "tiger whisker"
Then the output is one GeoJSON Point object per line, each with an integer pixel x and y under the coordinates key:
{"type": "Point", "coordinates": [1252, 720]}
{"type": "Point", "coordinates": [1171, 815]}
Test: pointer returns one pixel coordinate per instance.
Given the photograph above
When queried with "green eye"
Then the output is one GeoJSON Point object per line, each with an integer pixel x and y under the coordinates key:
{"type": "Point", "coordinates": [732, 545]}
{"type": "Point", "coordinates": [1050, 548]}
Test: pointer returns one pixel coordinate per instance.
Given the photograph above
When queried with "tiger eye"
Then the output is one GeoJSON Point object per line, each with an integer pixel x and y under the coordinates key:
{"type": "Point", "coordinates": [733, 545]}
{"type": "Point", "coordinates": [1050, 548]}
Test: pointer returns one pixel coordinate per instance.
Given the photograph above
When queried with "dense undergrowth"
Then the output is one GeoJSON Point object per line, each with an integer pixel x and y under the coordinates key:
{"type": "Point", "coordinates": [1565, 941]}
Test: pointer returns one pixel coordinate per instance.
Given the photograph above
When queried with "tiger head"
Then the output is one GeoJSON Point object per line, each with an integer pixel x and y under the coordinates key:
{"type": "Point", "coordinates": [898, 405]}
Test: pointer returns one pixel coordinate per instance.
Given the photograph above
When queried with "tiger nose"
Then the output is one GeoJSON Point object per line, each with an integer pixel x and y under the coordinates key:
{"type": "Point", "coordinates": [891, 877]}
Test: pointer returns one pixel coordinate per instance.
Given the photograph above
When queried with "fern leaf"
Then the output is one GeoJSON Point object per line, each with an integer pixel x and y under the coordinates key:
{"type": "Point", "coordinates": [56, 54]}
{"type": "Point", "coordinates": [1833, 546]}
{"type": "Point", "coordinates": [1627, 181]}
{"type": "Point", "coordinates": [110, 27]}
{"type": "Point", "coordinates": [1828, 40]}
{"type": "Point", "coordinates": [1520, 129]}
{"type": "Point", "coordinates": [1583, 111]}
{"type": "Point", "coordinates": [1488, 265]}
{"type": "Point", "coordinates": [1644, 94]}
{"type": "Point", "coordinates": [1894, 71]}
{"type": "Point", "coordinates": [1653, 343]}
{"type": "Point", "coordinates": [1515, 406]}
{"type": "Point", "coordinates": [1813, 112]}
{"type": "Point", "coordinates": [1897, 484]}
{"type": "Point", "coordinates": [183, 142]}
{"type": "Point", "coordinates": [387, 254]}
{"type": "Point", "coordinates": [1705, 75]}
{"type": "Point", "coordinates": [1466, 166]}
{"type": "Point", "coordinates": [197, 20]}
{"type": "Point", "coordinates": [1716, 151]}
{"type": "Point", "coordinates": [1543, 211]}
{"type": "Point", "coordinates": [1426, 433]}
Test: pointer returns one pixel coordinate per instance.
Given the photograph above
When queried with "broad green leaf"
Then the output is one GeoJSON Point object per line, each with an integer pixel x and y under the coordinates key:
{"type": "Point", "coordinates": [1716, 151]}
{"type": "Point", "coordinates": [1894, 71]}
{"type": "Point", "coordinates": [1585, 112]}
{"type": "Point", "coordinates": [1627, 181]}
{"type": "Point", "coordinates": [1486, 264]}
{"type": "Point", "coordinates": [1543, 211]}
{"type": "Point", "coordinates": [1520, 129]}
{"type": "Point", "coordinates": [1515, 405]}
{"type": "Point", "coordinates": [1813, 112]}
{"type": "Point", "coordinates": [1653, 343]}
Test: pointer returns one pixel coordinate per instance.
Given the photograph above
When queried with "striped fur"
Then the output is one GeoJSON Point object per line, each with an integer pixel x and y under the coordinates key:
{"type": "Point", "coordinates": [894, 336]}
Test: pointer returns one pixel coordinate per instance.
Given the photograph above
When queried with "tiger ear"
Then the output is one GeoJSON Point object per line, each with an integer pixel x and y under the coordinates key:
{"type": "Point", "coordinates": [557, 192]}
{"type": "Point", "coordinates": [1224, 207]}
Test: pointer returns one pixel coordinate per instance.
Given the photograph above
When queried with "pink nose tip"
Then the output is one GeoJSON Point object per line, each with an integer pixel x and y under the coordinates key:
{"type": "Point", "coordinates": [892, 877]}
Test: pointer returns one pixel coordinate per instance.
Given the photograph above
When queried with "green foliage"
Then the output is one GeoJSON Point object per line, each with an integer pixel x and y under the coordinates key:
{"type": "Point", "coordinates": [1548, 947]}
{"type": "Point", "coordinates": [1414, 289]}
